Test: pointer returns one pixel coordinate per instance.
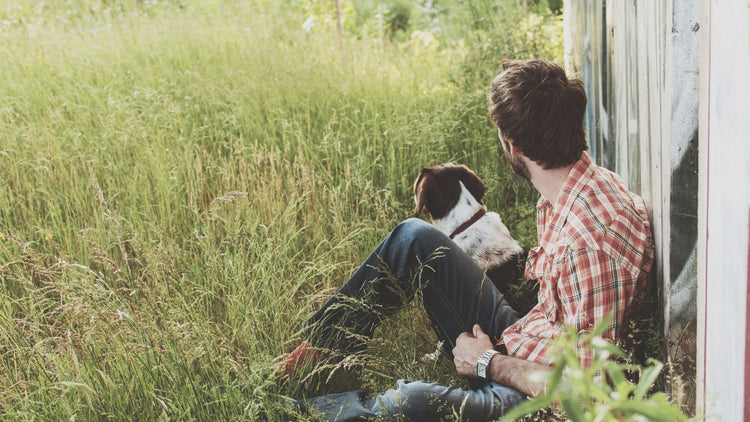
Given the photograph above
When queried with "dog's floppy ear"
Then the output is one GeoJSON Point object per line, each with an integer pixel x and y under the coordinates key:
{"type": "Point", "coordinates": [437, 190]}
{"type": "Point", "coordinates": [472, 182]}
{"type": "Point", "coordinates": [420, 194]}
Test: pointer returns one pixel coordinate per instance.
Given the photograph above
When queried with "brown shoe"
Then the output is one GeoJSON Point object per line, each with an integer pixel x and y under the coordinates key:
{"type": "Point", "coordinates": [304, 355]}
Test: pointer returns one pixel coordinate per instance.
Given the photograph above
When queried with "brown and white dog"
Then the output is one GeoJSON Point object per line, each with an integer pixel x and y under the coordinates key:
{"type": "Point", "coordinates": [451, 195]}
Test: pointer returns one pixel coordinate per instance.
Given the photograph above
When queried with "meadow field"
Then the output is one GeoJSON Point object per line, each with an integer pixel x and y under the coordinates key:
{"type": "Point", "coordinates": [182, 183]}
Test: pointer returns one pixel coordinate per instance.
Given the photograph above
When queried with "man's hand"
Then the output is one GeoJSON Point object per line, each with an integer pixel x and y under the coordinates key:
{"type": "Point", "coordinates": [467, 351]}
{"type": "Point", "coordinates": [510, 371]}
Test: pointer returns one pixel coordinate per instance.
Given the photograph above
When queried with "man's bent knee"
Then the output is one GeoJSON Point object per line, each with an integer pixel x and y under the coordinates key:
{"type": "Point", "coordinates": [417, 230]}
{"type": "Point", "coordinates": [413, 399]}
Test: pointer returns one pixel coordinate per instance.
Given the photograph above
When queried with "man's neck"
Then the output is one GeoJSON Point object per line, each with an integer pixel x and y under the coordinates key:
{"type": "Point", "coordinates": [548, 182]}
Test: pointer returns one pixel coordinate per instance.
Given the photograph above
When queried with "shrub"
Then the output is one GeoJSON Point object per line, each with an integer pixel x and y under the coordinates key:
{"type": "Point", "coordinates": [602, 392]}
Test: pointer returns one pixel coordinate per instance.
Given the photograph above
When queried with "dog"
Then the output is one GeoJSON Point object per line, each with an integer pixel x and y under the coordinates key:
{"type": "Point", "coordinates": [451, 195]}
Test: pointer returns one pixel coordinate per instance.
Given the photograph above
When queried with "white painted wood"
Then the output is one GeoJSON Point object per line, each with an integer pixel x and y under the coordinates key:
{"type": "Point", "coordinates": [703, 109]}
{"type": "Point", "coordinates": [639, 52]}
{"type": "Point", "coordinates": [727, 206]}
{"type": "Point", "coordinates": [665, 140]}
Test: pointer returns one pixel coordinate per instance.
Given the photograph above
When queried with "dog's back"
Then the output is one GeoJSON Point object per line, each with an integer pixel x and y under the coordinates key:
{"type": "Point", "coordinates": [489, 242]}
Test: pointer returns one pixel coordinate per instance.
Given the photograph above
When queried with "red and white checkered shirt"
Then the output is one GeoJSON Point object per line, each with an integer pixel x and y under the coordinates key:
{"type": "Point", "coordinates": [595, 254]}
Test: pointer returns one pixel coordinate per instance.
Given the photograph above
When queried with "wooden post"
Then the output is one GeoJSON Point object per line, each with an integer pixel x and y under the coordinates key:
{"type": "Point", "coordinates": [340, 27]}
{"type": "Point", "coordinates": [725, 211]}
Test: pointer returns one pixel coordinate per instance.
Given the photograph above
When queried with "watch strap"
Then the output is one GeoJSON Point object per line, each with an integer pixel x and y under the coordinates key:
{"type": "Point", "coordinates": [483, 362]}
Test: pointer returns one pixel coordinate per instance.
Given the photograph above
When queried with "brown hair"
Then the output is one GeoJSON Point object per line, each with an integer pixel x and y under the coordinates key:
{"type": "Point", "coordinates": [536, 105]}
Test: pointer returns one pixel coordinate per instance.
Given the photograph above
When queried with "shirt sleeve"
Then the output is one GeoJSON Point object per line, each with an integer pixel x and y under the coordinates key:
{"type": "Point", "coordinates": [593, 285]}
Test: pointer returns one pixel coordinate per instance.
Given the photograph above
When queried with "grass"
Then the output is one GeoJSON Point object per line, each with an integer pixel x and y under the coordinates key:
{"type": "Point", "coordinates": [183, 183]}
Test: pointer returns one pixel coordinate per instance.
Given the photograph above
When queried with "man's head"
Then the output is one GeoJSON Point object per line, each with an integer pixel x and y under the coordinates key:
{"type": "Point", "coordinates": [540, 110]}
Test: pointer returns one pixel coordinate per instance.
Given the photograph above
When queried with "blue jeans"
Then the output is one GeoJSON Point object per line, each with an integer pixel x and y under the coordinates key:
{"type": "Point", "coordinates": [414, 260]}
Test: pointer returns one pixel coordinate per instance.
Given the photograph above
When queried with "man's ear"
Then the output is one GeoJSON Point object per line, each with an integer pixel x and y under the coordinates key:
{"type": "Point", "coordinates": [510, 146]}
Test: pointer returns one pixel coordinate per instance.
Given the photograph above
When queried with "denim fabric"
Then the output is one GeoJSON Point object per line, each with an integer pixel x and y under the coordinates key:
{"type": "Point", "coordinates": [414, 260]}
{"type": "Point", "coordinates": [418, 401]}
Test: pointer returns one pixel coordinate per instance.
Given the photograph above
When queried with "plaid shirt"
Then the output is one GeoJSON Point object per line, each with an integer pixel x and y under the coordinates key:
{"type": "Point", "coordinates": [595, 253]}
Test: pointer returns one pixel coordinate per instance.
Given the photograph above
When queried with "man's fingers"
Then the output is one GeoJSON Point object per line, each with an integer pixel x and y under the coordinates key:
{"type": "Point", "coordinates": [478, 331]}
{"type": "Point", "coordinates": [464, 334]}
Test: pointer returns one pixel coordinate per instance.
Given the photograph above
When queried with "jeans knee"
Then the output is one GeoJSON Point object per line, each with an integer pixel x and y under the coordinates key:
{"type": "Point", "coordinates": [413, 399]}
{"type": "Point", "coordinates": [416, 230]}
{"type": "Point", "coordinates": [421, 400]}
{"type": "Point", "coordinates": [412, 225]}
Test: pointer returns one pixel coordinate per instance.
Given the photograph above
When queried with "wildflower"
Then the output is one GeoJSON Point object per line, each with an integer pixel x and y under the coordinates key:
{"type": "Point", "coordinates": [307, 26]}
{"type": "Point", "coordinates": [433, 357]}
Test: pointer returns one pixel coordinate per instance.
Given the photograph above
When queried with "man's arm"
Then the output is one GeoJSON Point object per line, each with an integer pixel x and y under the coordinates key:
{"type": "Point", "coordinates": [506, 370]}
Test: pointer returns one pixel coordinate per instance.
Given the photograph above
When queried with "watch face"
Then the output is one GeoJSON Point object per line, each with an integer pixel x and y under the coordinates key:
{"type": "Point", "coordinates": [483, 361]}
{"type": "Point", "coordinates": [481, 367]}
{"type": "Point", "coordinates": [482, 370]}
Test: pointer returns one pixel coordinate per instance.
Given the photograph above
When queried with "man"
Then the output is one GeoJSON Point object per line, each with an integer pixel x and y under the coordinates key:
{"type": "Point", "coordinates": [594, 255]}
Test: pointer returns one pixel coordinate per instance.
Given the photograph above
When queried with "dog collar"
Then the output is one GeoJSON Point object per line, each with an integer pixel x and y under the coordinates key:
{"type": "Point", "coordinates": [479, 214]}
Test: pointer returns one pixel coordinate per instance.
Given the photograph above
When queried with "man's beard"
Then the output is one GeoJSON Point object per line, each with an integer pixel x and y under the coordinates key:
{"type": "Point", "coordinates": [518, 166]}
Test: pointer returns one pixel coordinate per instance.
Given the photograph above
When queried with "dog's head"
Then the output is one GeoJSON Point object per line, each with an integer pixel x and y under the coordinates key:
{"type": "Point", "coordinates": [437, 189]}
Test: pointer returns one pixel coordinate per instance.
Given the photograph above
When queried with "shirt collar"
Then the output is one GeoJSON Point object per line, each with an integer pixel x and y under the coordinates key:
{"type": "Point", "coordinates": [577, 178]}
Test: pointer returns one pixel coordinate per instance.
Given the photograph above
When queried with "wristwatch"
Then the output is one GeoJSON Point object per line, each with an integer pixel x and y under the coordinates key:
{"type": "Point", "coordinates": [483, 361]}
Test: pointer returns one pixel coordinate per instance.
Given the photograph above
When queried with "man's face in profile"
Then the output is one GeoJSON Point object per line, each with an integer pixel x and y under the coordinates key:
{"type": "Point", "coordinates": [518, 166]}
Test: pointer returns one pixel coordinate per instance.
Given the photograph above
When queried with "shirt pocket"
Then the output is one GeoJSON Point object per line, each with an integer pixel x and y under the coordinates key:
{"type": "Point", "coordinates": [558, 261]}
{"type": "Point", "coordinates": [535, 264]}
{"type": "Point", "coordinates": [552, 268]}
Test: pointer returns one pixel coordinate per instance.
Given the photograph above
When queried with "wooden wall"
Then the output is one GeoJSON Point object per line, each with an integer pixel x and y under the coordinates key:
{"type": "Point", "coordinates": [724, 277]}
{"type": "Point", "coordinates": [669, 101]}
{"type": "Point", "coordinates": [639, 61]}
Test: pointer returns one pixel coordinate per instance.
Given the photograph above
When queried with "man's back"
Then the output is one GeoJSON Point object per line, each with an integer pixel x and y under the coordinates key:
{"type": "Point", "coordinates": [595, 253]}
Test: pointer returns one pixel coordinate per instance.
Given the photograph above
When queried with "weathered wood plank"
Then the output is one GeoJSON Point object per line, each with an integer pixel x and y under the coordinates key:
{"type": "Point", "coordinates": [725, 209]}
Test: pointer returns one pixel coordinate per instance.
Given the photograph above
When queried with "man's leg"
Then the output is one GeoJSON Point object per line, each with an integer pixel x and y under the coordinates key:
{"type": "Point", "coordinates": [415, 259]}
{"type": "Point", "coordinates": [418, 401]}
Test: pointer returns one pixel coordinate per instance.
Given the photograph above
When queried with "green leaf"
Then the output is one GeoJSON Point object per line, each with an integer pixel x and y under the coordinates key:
{"type": "Point", "coordinates": [655, 410]}
{"type": "Point", "coordinates": [601, 326]}
{"type": "Point", "coordinates": [649, 376]}
{"type": "Point", "coordinates": [527, 407]}
{"type": "Point", "coordinates": [555, 376]}
{"type": "Point", "coordinates": [615, 374]}
{"type": "Point", "coordinates": [573, 410]}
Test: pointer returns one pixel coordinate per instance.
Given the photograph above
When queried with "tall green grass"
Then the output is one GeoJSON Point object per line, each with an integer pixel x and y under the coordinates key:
{"type": "Point", "coordinates": [182, 184]}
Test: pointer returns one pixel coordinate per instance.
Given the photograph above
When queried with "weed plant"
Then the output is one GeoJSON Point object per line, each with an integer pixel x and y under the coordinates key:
{"type": "Point", "coordinates": [182, 183]}
{"type": "Point", "coordinates": [603, 391]}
